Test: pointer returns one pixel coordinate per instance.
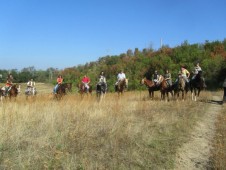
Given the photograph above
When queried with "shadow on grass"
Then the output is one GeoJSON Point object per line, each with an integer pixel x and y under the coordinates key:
{"type": "Point", "coordinates": [217, 102]}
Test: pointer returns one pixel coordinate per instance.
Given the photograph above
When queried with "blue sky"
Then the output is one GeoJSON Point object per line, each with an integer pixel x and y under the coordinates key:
{"type": "Point", "coordinates": [66, 33]}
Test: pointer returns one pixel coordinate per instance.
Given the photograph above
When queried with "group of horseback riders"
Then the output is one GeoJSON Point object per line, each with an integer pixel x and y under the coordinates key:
{"type": "Point", "coordinates": [9, 83]}
{"type": "Point", "coordinates": [156, 78]}
{"type": "Point", "coordinates": [184, 73]}
{"type": "Point", "coordinates": [86, 81]}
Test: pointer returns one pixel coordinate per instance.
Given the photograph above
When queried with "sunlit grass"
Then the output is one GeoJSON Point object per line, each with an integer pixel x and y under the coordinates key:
{"type": "Point", "coordinates": [127, 132]}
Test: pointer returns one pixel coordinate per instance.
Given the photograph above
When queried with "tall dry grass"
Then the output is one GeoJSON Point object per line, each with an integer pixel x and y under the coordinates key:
{"type": "Point", "coordinates": [130, 132]}
{"type": "Point", "coordinates": [218, 157]}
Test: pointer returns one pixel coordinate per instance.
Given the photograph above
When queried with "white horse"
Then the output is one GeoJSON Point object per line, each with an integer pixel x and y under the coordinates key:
{"type": "Point", "coordinates": [30, 91]}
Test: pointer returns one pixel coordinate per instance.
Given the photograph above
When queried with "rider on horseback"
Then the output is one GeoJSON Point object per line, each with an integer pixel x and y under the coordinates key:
{"type": "Point", "coordinates": [121, 76]}
{"type": "Point", "coordinates": [102, 79]}
{"type": "Point", "coordinates": [30, 85]}
{"type": "Point", "coordinates": [59, 82]}
{"type": "Point", "coordinates": [86, 81]}
{"type": "Point", "coordinates": [167, 77]}
{"type": "Point", "coordinates": [198, 70]}
{"type": "Point", "coordinates": [9, 83]}
{"type": "Point", "coordinates": [185, 74]}
{"type": "Point", "coordinates": [156, 78]}
{"type": "Point", "coordinates": [102, 84]}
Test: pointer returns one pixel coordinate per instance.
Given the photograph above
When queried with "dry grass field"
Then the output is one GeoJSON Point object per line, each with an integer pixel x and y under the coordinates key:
{"type": "Point", "coordinates": [218, 158]}
{"type": "Point", "coordinates": [127, 132]}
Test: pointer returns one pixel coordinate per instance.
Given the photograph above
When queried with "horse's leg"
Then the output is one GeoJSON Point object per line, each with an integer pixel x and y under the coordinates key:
{"type": "Point", "coordinates": [167, 96]}
{"type": "Point", "coordinates": [192, 93]}
{"type": "Point", "coordinates": [183, 95]}
{"type": "Point", "coordinates": [178, 94]}
{"type": "Point", "coordinates": [199, 90]}
{"type": "Point", "coordinates": [195, 91]}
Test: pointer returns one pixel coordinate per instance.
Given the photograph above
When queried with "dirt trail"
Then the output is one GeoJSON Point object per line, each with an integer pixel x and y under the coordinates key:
{"type": "Point", "coordinates": [196, 152]}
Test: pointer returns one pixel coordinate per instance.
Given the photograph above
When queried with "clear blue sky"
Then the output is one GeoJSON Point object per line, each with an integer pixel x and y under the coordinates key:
{"type": "Point", "coordinates": [65, 33]}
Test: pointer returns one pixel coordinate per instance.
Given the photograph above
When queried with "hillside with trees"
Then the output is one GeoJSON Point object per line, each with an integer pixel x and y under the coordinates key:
{"type": "Point", "coordinates": [138, 63]}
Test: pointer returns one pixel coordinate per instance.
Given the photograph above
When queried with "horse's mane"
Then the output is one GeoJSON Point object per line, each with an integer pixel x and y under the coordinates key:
{"type": "Point", "coordinates": [147, 82]}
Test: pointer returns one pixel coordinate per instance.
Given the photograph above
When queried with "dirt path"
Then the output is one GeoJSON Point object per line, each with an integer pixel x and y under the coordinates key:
{"type": "Point", "coordinates": [195, 153]}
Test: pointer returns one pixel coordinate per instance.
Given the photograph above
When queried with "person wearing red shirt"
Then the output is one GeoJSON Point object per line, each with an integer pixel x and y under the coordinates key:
{"type": "Point", "coordinates": [59, 81]}
{"type": "Point", "coordinates": [86, 81]}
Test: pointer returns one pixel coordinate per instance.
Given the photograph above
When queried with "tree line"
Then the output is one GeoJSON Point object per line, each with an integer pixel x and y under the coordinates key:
{"type": "Point", "coordinates": [139, 63]}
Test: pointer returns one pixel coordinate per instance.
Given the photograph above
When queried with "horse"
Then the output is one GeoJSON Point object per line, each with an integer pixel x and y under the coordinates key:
{"type": "Point", "coordinates": [82, 89]}
{"type": "Point", "coordinates": [196, 84]}
{"type": "Point", "coordinates": [30, 91]}
{"type": "Point", "coordinates": [101, 89]}
{"type": "Point", "coordinates": [162, 86]}
{"type": "Point", "coordinates": [120, 87]}
{"type": "Point", "coordinates": [151, 86]}
{"type": "Point", "coordinates": [68, 87]}
{"type": "Point", "coordinates": [12, 91]}
{"type": "Point", "coordinates": [61, 91]}
{"type": "Point", "coordinates": [180, 86]}
{"type": "Point", "coordinates": [165, 89]}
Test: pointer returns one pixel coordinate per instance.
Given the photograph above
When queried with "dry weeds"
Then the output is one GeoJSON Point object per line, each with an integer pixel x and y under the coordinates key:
{"type": "Point", "coordinates": [218, 158]}
{"type": "Point", "coordinates": [130, 132]}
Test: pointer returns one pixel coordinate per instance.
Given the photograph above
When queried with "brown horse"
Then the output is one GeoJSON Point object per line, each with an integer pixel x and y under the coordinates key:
{"type": "Point", "coordinates": [120, 87]}
{"type": "Point", "coordinates": [82, 89]}
{"type": "Point", "coordinates": [162, 86]}
{"type": "Point", "coordinates": [12, 91]}
{"type": "Point", "coordinates": [180, 86]}
{"type": "Point", "coordinates": [165, 89]}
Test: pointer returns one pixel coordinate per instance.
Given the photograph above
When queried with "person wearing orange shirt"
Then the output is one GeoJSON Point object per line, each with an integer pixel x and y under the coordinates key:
{"type": "Point", "coordinates": [9, 83]}
{"type": "Point", "coordinates": [59, 82]}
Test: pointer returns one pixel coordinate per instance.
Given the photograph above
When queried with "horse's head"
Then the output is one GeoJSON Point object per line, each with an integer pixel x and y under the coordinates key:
{"type": "Point", "coordinates": [68, 86]}
{"type": "Point", "coordinates": [147, 82]}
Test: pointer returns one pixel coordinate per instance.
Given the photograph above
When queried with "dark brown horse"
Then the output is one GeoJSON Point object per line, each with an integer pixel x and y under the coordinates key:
{"type": "Point", "coordinates": [196, 85]}
{"type": "Point", "coordinates": [61, 91]}
{"type": "Point", "coordinates": [82, 89]}
{"type": "Point", "coordinates": [68, 87]}
{"type": "Point", "coordinates": [120, 87]}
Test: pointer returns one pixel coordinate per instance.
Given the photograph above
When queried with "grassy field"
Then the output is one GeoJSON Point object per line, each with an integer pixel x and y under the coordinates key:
{"type": "Point", "coordinates": [130, 132]}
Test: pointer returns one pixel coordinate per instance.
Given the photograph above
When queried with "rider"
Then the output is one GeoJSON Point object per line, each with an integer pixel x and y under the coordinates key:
{"type": "Point", "coordinates": [197, 70]}
{"type": "Point", "coordinates": [9, 83]}
{"type": "Point", "coordinates": [185, 74]}
{"type": "Point", "coordinates": [156, 77]}
{"type": "Point", "coordinates": [59, 82]}
{"type": "Point", "coordinates": [86, 81]}
{"type": "Point", "coordinates": [168, 78]}
{"type": "Point", "coordinates": [30, 83]}
{"type": "Point", "coordinates": [102, 79]}
{"type": "Point", "coordinates": [121, 76]}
